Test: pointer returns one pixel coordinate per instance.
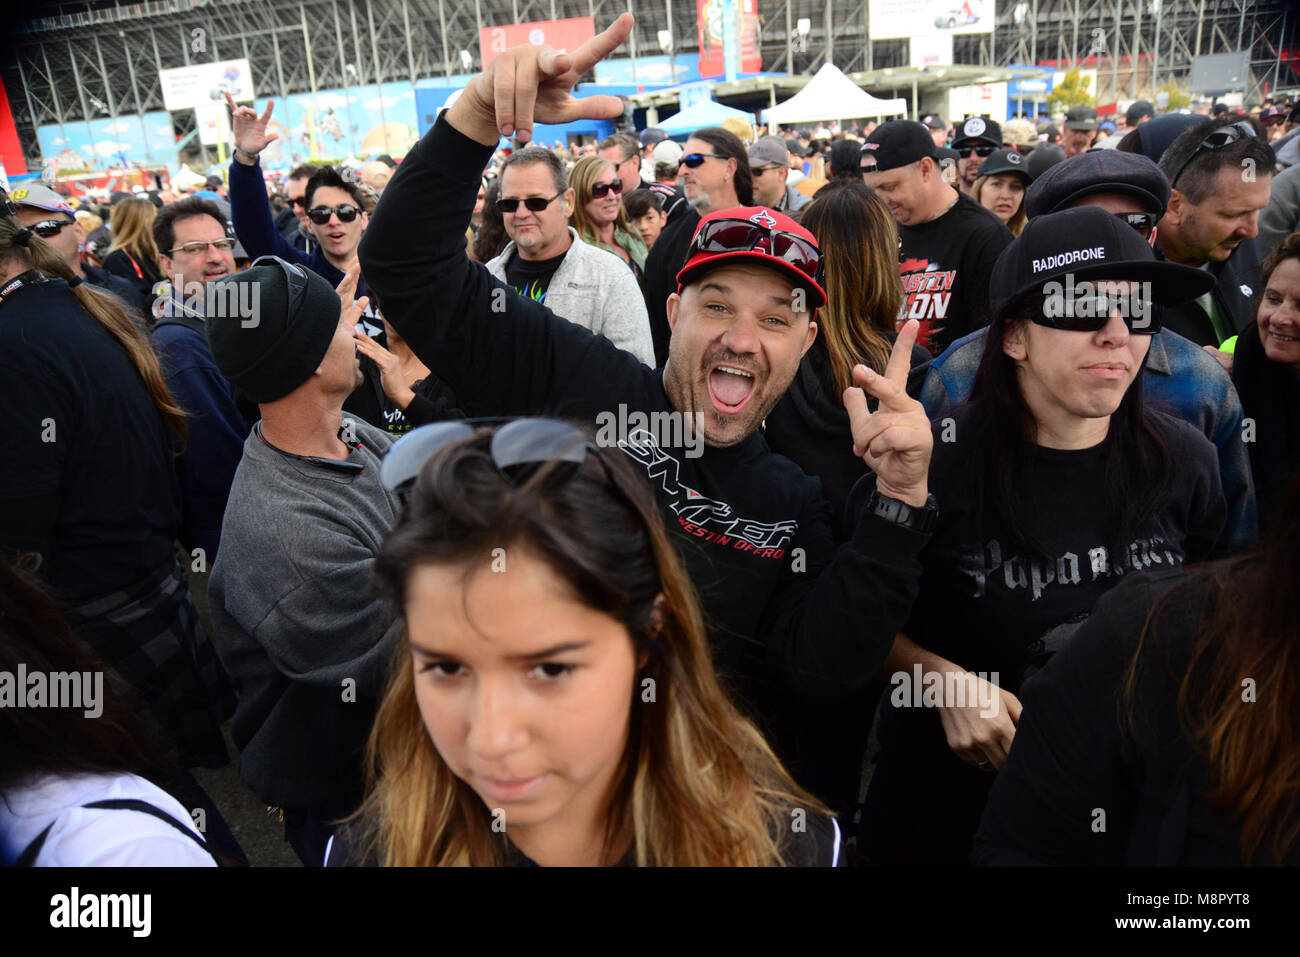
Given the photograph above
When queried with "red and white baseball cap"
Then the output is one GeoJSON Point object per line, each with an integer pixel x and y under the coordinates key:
{"type": "Point", "coordinates": [756, 234]}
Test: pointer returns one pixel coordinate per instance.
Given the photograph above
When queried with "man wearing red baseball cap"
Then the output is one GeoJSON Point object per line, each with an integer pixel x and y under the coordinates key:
{"type": "Point", "coordinates": [792, 616]}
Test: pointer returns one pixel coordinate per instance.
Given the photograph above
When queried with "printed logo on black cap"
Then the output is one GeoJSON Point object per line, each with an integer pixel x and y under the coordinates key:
{"type": "Point", "coordinates": [1015, 159]}
{"type": "Point", "coordinates": [974, 126]}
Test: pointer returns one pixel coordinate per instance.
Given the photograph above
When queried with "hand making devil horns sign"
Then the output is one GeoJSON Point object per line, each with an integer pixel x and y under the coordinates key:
{"type": "Point", "coordinates": [895, 441]}
{"type": "Point", "coordinates": [528, 84]}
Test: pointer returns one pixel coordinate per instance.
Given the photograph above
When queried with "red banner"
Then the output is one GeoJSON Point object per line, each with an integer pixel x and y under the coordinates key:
{"type": "Point", "coordinates": [710, 25]}
{"type": "Point", "coordinates": [11, 151]}
{"type": "Point", "coordinates": [560, 34]}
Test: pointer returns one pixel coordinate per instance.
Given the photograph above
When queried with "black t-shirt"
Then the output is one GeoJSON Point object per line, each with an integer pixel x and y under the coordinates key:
{"type": "Point", "coordinates": [988, 607]}
{"type": "Point", "coordinates": [532, 278]}
{"type": "Point", "coordinates": [945, 265]}
{"type": "Point", "coordinates": [89, 472]}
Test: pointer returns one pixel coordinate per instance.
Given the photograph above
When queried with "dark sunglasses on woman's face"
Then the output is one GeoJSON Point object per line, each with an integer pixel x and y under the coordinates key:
{"type": "Point", "coordinates": [320, 215]}
{"type": "Point", "coordinates": [534, 203]}
{"type": "Point", "coordinates": [696, 160]}
{"type": "Point", "coordinates": [50, 227]}
{"type": "Point", "coordinates": [603, 189]}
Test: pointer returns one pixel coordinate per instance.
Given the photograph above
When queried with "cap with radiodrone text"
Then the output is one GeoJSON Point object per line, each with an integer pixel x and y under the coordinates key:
{"type": "Point", "coordinates": [1088, 243]}
{"type": "Point", "coordinates": [896, 143]}
{"type": "Point", "coordinates": [1099, 171]}
{"type": "Point", "coordinates": [40, 197]}
{"type": "Point", "coordinates": [771, 221]}
{"type": "Point", "coordinates": [976, 131]}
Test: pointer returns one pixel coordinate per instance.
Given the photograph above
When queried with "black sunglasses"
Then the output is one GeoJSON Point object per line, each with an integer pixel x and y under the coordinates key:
{"type": "Point", "coordinates": [518, 447]}
{"type": "Point", "coordinates": [1142, 222]}
{"type": "Point", "coordinates": [695, 160]}
{"type": "Point", "coordinates": [1090, 313]}
{"type": "Point", "coordinates": [50, 227]}
{"type": "Point", "coordinates": [298, 201]}
{"type": "Point", "coordinates": [604, 189]}
{"type": "Point", "coordinates": [320, 215]}
{"type": "Point", "coordinates": [1217, 140]}
{"type": "Point", "coordinates": [733, 235]}
{"type": "Point", "coordinates": [534, 203]}
{"type": "Point", "coordinates": [981, 151]}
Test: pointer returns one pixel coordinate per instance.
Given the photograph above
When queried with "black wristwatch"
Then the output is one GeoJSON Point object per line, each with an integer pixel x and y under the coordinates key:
{"type": "Point", "coordinates": [900, 513]}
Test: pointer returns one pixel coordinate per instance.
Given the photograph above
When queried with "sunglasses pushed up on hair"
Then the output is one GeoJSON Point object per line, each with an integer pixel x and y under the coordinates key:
{"type": "Point", "coordinates": [733, 235]}
{"type": "Point", "coordinates": [320, 215]}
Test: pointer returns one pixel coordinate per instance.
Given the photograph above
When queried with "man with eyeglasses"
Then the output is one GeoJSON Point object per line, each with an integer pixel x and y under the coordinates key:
{"type": "Point", "coordinates": [977, 139]}
{"type": "Point", "coordinates": [1179, 376]}
{"type": "Point", "coordinates": [333, 206]}
{"type": "Point", "coordinates": [1219, 175]}
{"type": "Point", "coordinates": [769, 164]}
{"type": "Point", "coordinates": [948, 242]}
{"type": "Point", "coordinates": [546, 261]}
{"type": "Point", "coordinates": [791, 615]}
{"type": "Point", "coordinates": [49, 216]}
{"type": "Point", "coordinates": [194, 249]}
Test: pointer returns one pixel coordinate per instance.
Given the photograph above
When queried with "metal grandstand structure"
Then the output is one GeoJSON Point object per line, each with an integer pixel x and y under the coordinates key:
{"type": "Point", "coordinates": [81, 61]}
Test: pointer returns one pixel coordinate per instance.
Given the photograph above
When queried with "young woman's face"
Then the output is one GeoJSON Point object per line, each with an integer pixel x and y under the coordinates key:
{"type": "Point", "coordinates": [1279, 314]}
{"type": "Point", "coordinates": [1077, 375]}
{"type": "Point", "coordinates": [525, 692]}
{"type": "Point", "coordinates": [1002, 195]}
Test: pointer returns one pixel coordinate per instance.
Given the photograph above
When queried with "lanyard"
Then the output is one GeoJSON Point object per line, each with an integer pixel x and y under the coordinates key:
{"type": "Point", "coordinates": [13, 285]}
{"type": "Point", "coordinates": [134, 265]}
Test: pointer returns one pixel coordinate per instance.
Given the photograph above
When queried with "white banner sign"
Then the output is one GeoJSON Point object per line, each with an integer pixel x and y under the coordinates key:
{"type": "Point", "coordinates": [895, 19]}
{"type": "Point", "coordinates": [202, 84]}
{"type": "Point", "coordinates": [213, 122]}
{"type": "Point", "coordinates": [931, 51]}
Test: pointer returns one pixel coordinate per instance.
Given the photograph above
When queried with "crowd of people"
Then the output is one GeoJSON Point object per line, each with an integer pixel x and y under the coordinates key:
{"type": "Point", "coordinates": [983, 436]}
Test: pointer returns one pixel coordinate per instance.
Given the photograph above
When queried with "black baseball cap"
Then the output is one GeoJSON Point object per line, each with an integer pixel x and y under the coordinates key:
{"type": "Point", "coordinates": [1098, 171]}
{"type": "Point", "coordinates": [1088, 243]}
{"type": "Point", "coordinates": [1137, 110]}
{"type": "Point", "coordinates": [978, 129]}
{"type": "Point", "coordinates": [934, 122]}
{"type": "Point", "coordinates": [1081, 118]}
{"type": "Point", "coordinates": [1006, 161]}
{"type": "Point", "coordinates": [896, 143]}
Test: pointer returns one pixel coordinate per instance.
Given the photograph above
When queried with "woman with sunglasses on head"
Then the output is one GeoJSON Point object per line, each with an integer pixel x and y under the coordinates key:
{"type": "Point", "coordinates": [554, 701]}
{"type": "Point", "coordinates": [1266, 372]}
{"type": "Point", "coordinates": [1000, 188]}
{"type": "Point", "coordinates": [1058, 482]}
{"type": "Point", "coordinates": [598, 213]}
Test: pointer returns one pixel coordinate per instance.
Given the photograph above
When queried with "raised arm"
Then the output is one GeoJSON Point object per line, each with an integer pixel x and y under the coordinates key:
{"type": "Point", "coordinates": [250, 210]}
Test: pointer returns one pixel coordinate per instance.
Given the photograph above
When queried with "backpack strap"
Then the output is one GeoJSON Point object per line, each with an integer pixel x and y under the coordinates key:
{"type": "Point", "coordinates": [28, 857]}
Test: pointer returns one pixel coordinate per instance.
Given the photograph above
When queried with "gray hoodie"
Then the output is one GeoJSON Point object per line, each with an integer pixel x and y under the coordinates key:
{"type": "Point", "coordinates": [298, 627]}
{"type": "Point", "coordinates": [595, 289]}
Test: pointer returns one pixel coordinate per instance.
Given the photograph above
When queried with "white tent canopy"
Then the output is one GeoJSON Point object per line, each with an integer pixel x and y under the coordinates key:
{"type": "Point", "coordinates": [830, 95]}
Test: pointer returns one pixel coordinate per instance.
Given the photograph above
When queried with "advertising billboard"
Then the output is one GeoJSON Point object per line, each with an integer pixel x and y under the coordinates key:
{"type": "Point", "coordinates": [201, 84]}
{"type": "Point", "coordinates": [712, 28]}
{"type": "Point", "coordinates": [901, 19]}
{"type": "Point", "coordinates": [560, 34]}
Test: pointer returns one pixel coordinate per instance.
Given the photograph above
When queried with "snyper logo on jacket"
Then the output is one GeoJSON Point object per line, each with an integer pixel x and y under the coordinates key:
{"type": "Point", "coordinates": [702, 517]}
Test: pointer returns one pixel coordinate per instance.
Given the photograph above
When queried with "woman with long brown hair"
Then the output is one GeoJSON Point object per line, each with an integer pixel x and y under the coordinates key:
{"type": "Point", "coordinates": [598, 213]}
{"type": "Point", "coordinates": [91, 488]}
{"type": "Point", "coordinates": [554, 702]}
{"type": "Point", "coordinates": [133, 254]}
{"type": "Point", "coordinates": [1173, 712]}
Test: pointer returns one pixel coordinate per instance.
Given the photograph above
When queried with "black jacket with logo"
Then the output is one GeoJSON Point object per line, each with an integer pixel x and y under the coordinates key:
{"type": "Point", "coordinates": [787, 609]}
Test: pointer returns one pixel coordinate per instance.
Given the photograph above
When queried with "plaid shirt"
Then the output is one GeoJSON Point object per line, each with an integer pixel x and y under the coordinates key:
{"type": "Point", "coordinates": [1180, 378]}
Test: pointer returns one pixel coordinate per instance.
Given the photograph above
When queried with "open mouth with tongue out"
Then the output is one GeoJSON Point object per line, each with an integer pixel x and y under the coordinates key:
{"type": "Point", "coordinates": [730, 388]}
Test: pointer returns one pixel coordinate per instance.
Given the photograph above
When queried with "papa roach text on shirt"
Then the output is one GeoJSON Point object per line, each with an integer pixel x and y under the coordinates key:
{"type": "Point", "coordinates": [980, 563]}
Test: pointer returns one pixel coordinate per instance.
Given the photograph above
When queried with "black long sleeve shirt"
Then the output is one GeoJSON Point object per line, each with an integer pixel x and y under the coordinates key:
{"type": "Point", "coordinates": [783, 603]}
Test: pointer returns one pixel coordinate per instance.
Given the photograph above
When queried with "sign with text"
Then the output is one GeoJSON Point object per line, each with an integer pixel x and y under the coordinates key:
{"type": "Point", "coordinates": [931, 51]}
{"type": "Point", "coordinates": [202, 84]}
{"type": "Point", "coordinates": [901, 19]}
{"type": "Point", "coordinates": [559, 34]}
{"type": "Point", "coordinates": [712, 29]}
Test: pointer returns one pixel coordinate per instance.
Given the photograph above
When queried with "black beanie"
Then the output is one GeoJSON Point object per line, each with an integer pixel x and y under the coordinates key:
{"type": "Point", "coordinates": [269, 350]}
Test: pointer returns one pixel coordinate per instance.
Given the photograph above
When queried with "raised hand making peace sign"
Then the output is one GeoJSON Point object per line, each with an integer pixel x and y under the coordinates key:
{"type": "Point", "coordinates": [895, 441]}
{"type": "Point", "coordinates": [528, 84]}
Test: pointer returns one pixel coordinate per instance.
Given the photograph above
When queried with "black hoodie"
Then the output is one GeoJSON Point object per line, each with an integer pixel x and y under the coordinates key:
{"type": "Point", "coordinates": [786, 608]}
